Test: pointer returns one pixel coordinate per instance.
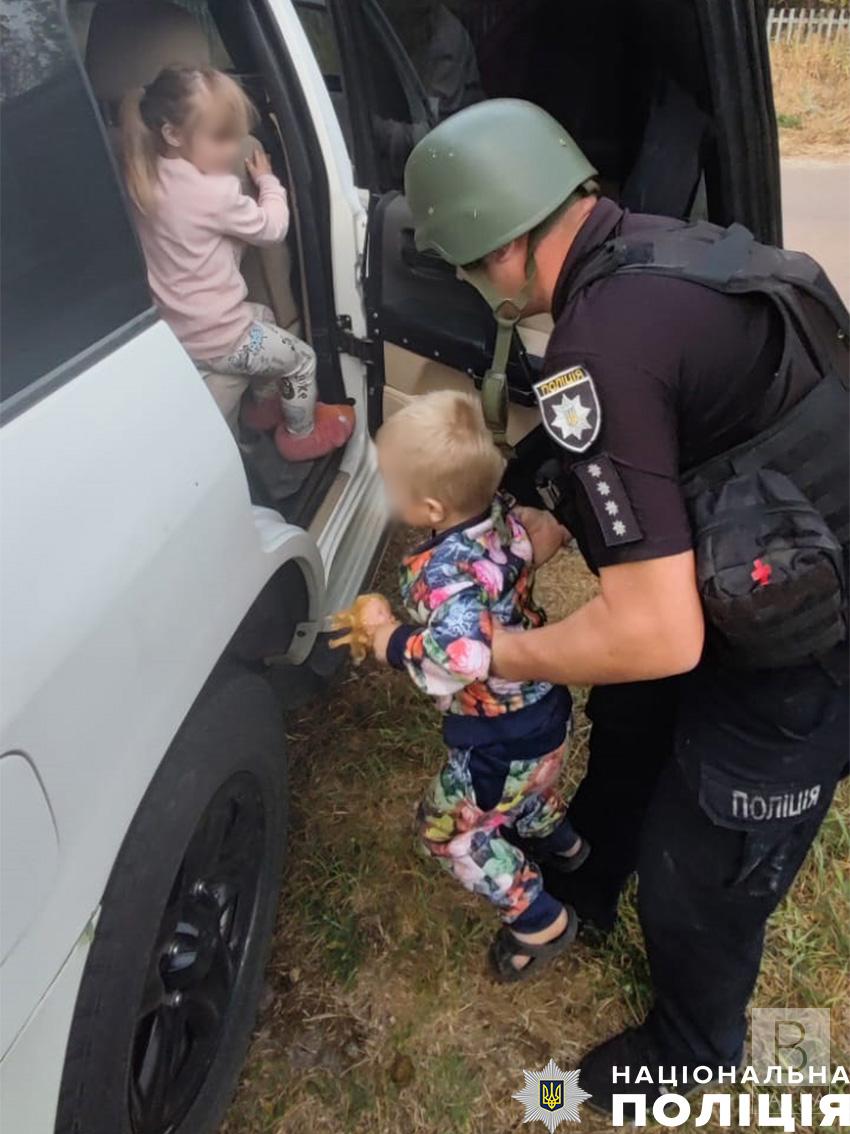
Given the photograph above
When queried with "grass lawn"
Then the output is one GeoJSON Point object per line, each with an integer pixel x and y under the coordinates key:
{"type": "Point", "coordinates": [811, 90]}
{"type": "Point", "coordinates": [379, 1017]}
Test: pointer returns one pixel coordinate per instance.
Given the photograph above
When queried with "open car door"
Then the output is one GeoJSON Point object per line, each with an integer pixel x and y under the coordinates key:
{"type": "Point", "coordinates": [670, 99]}
{"type": "Point", "coordinates": [436, 331]}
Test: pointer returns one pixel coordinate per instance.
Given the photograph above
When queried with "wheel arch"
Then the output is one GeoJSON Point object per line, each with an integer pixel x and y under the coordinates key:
{"type": "Point", "coordinates": [216, 732]}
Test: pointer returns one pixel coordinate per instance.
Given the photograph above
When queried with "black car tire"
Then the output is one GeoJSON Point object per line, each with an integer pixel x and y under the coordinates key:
{"type": "Point", "coordinates": [224, 777]}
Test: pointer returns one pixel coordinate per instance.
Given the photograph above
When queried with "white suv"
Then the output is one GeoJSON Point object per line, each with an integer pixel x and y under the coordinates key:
{"type": "Point", "coordinates": [164, 585]}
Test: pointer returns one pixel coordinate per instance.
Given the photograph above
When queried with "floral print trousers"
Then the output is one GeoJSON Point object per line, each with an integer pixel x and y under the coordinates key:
{"type": "Point", "coordinates": [275, 363]}
{"type": "Point", "coordinates": [467, 839]}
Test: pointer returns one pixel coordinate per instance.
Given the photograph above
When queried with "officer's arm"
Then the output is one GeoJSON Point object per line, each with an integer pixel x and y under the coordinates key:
{"type": "Point", "coordinates": [646, 622]}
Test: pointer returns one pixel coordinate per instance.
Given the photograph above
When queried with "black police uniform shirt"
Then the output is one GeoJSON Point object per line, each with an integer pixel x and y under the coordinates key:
{"type": "Point", "coordinates": [680, 374]}
{"type": "Point", "coordinates": [659, 374]}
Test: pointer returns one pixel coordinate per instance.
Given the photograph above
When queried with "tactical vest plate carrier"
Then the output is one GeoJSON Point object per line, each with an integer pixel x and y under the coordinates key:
{"type": "Point", "coordinates": [770, 517]}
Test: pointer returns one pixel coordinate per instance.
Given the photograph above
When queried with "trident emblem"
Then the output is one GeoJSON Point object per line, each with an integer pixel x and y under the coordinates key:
{"type": "Point", "coordinates": [551, 1094]}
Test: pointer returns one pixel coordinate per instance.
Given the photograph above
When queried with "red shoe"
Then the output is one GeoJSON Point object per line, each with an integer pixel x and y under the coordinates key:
{"type": "Point", "coordinates": [331, 430]}
{"type": "Point", "coordinates": [262, 414]}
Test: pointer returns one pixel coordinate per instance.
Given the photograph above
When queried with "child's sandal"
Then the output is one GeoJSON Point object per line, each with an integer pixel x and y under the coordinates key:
{"type": "Point", "coordinates": [506, 945]}
{"type": "Point", "coordinates": [568, 863]}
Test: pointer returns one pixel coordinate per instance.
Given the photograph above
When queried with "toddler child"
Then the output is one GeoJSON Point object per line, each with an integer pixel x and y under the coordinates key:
{"type": "Point", "coordinates": [181, 136]}
{"type": "Point", "coordinates": [505, 739]}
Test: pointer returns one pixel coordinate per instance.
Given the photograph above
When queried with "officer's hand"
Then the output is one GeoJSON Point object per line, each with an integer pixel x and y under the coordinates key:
{"type": "Point", "coordinates": [546, 534]}
{"type": "Point", "coordinates": [499, 644]}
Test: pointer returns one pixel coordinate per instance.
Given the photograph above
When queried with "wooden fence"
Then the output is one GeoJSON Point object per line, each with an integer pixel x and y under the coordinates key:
{"type": "Point", "coordinates": [785, 25]}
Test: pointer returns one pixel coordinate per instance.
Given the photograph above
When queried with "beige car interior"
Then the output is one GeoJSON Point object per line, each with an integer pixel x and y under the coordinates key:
{"type": "Point", "coordinates": [126, 45]}
{"type": "Point", "coordinates": [408, 374]}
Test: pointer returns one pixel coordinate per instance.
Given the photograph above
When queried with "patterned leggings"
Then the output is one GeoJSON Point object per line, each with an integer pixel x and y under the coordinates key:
{"type": "Point", "coordinates": [466, 839]}
{"type": "Point", "coordinates": [274, 362]}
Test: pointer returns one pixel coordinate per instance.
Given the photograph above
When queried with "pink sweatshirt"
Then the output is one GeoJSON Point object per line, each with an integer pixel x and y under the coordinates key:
{"type": "Point", "coordinates": [193, 242]}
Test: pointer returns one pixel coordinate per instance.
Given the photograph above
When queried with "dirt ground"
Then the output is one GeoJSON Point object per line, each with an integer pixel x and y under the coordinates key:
{"type": "Point", "coordinates": [379, 1017]}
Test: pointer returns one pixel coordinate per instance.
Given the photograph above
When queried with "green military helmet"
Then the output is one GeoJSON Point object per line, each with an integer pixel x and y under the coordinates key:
{"type": "Point", "coordinates": [489, 174]}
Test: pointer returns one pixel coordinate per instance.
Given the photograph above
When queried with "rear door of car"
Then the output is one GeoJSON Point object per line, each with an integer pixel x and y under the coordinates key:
{"type": "Point", "coordinates": [428, 329]}
{"type": "Point", "coordinates": [724, 49]}
{"type": "Point", "coordinates": [130, 551]}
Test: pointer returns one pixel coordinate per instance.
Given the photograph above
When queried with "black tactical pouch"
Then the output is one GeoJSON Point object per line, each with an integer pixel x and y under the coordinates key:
{"type": "Point", "coordinates": [770, 571]}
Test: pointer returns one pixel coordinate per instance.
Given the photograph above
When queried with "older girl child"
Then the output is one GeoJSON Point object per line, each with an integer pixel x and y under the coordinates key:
{"type": "Point", "coordinates": [182, 137]}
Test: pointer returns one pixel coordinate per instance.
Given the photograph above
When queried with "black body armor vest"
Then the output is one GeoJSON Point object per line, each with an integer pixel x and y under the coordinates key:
{"type": "Point", "coordinates": [771, 517]}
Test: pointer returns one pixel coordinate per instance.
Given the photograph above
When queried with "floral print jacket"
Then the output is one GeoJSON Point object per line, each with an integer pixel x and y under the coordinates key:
{"type": "Point", "coordinates": [453, 587]}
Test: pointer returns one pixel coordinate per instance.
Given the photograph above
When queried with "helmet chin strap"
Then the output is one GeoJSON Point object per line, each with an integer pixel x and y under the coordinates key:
{"type": "Point", "coordinates": [507, 311]}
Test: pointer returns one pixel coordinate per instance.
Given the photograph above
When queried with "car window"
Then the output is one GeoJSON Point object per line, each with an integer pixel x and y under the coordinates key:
{"type": "Point", "coordinates": [71, 272]}
{"type": "Point", "coordinates": [441, 51]}
{"type": "Point", "coordinates": [318, 25]}
{"type": "Point", "coordinates": [200, 12]}
{"type": "Point", "coordinates": [400, 110]}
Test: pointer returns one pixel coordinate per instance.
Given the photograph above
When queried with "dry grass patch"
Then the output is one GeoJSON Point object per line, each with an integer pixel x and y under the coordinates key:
{"type": "Point", "coordinates": [379, 1017]}
{"type": "Point", "coordinates": [811, 90]}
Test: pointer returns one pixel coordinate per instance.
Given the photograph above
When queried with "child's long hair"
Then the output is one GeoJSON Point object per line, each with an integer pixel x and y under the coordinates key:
{"type": "Point", "coordinates": [176, 97]}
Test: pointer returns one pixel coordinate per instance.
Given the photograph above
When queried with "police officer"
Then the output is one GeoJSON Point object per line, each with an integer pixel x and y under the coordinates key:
{"type": "Point", "coordinates": [694, 391]}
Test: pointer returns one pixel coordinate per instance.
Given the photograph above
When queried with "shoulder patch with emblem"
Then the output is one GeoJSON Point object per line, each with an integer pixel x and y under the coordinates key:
{"type": "Point", "coordinates": [570, 408]}
{"type": "Point", "coordinates": [609, 500]}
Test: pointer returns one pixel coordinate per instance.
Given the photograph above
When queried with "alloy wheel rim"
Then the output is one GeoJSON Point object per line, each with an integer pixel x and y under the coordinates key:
{"type": "Point", "coordinates": [197, 962]}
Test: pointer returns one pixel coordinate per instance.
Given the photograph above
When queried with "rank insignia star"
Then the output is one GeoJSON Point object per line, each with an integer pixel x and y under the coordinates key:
{"type": "Point", "coordinates": [608, 500]}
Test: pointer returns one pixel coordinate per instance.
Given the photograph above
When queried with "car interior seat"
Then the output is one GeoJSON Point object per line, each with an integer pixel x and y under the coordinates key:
{"type": "Point", "coordinates": [666, 174]}
{"type": "Point", "coordinates": [127, 45]}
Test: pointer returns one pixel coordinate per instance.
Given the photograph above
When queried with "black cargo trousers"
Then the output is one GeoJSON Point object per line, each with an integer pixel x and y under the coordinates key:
{"type": "Point", "coordinates": [712, 786]}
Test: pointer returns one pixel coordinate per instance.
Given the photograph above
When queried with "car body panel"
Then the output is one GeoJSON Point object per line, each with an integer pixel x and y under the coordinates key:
{"type": "Point", "coordinates": [29, 848]}
{"type": "Point", "coordinates": [122, 585]}
{"type": "Point", "coordinates": [31, 1070]}
{"type": "Point", "coordinates": [103, 657]}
